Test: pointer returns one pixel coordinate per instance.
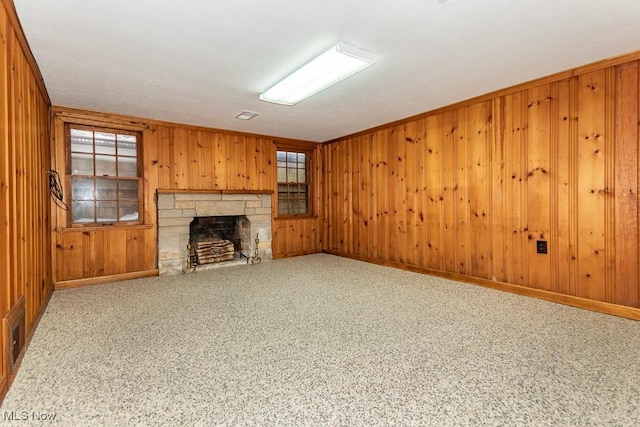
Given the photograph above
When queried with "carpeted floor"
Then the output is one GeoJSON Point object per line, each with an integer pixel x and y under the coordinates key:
{"type": "Point", "coordinates": [322, 340]}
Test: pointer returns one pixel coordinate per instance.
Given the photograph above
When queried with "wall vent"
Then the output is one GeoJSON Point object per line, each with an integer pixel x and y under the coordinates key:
{"type": "Point", "coordinates": [14, 335]}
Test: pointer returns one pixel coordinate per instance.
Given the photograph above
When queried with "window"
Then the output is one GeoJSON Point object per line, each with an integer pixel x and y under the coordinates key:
{"type": "Point", "coordinates": [293, 182]}
{"type": "Point", "coordinates": [104, 175]}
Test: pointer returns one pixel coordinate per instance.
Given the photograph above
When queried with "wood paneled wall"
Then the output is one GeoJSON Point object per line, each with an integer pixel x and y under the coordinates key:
{"type": "Point", "coordinates": [468, 190]}
{"type": "Point", "coordinates": [178, 157]}
{"type": "Point", "coordinates": [25, 264]}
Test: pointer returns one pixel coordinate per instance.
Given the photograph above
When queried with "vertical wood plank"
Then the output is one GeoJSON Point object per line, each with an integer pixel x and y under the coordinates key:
{"type": "Point", "coordinates": [539, 175]}
{"type": "Point", "coordinates": [591, 185]}
{"type": "Point", "coordinates": [627, 253]}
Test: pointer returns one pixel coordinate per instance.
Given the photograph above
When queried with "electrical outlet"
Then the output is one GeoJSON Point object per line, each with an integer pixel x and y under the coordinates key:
{"type": "Point", "coordinates": [541, 246]}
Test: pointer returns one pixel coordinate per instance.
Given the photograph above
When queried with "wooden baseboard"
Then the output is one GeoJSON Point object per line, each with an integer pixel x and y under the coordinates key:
{"type": "Point", "coordinates": [293, 254]}
{"type": "Point", "coordinates": [583, 303]}
{"type": "Point", "coordinates": [67, 284]}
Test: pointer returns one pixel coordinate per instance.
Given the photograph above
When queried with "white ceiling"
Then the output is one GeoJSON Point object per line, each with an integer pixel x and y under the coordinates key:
{"type": "Point", "coordinates": [204, 61]}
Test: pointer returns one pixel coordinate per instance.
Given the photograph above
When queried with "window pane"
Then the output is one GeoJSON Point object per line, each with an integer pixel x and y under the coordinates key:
{"type": "Point", "coordinates": [282, 174]}
{"type": "Point", "coordinates": [302, 176]}
{"type": "Point", "coordinates": [128, 190]}
{"type": "Point", "coordinates": [127, 145]}
{"type": "Point", "coordinates": [291, 158]}
{"type": "Point", "coordinates": [292, 175]}
{"type": "Point", "coordinates": [127, 166]}
{"type": "Point", "coordinates": [81, 164]}
{"type": "Point", "coordinates": [83, 212]}
{"type": "Point", "coordinates": [82, 189]}
{"type": "Point", "coordinates": [128, 211]}
{"type": "Point", "coordinates": [81, 141]}
{"type": "Point", "coordinates": [105, 165]}
{"type": "Point", "coordinates": [105, 143]}
{"type": "Point", "coordinates": [281, 157]}
{"type": "Point", "coordinates": [107, 211]}
{"type": "Point", "coordinates": [107, 189]}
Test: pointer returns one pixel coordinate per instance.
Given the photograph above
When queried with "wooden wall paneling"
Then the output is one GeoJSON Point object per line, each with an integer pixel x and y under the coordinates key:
{"type": "Point", "coordinates": [349, 182]}
{"type": "Point", "coordinates": [205, 149]}
{"type": "Point", "coordinates": [369, 183]}
{"type": "Point", "coordinates": [207, 159]}
{"type": "Point", "coordinates": [498, 181]}
{"type": "Point", "coordinates": [252, 173]}
{"type": "Point", "coordinates": [447, 131]}
{"type": "Point", "coordinates": [591, 184]}
{"type": "Point", "coordinates": [462, 197]}
{"type": "Point", "coordinates": [230, 150]}
{"type": "Point", "coordinates": [151, 168]}
{"type": "Point", "coordinates": [278, 244]}
{"type": "Point", "coordinates": [479, 185]}
{"type": "Point", "coordinates": [561, 246]}
{"type": "Point", "coordinates": [382, 189]}
{"type": "Point", "coordinates": [387, 173]}
{"type": "Point", "coordinates": [165, 157]}
{"type": "Point", "coordinates": [221, 161]}
{"type": "Point", "coordinates": [195, 166]}
{"type": "Point", "coordinates": [364, 165]}
{"type": "Point", "coordinates": [181, 158]}
{"type": "Point", "coordinates": [627, 167]}
{"type": "Point", "coordinates": [117, 241]}
{"type": "Point", "coordinates": [95, 261]}
{"type": "Point", "coordinates": [417, 163]}
{"type": "Point", "coordinates": [434, 194]}
{"type": "Point", "coordinates": [249, 153]}
{"type": "Point", "coordinates": [15, 182]}
{"type": "Point", "coordinates": [5, 167]}
{"type": "Point", "coordinates": [609, 185]}
{"type": "Point", "coordinates": [320, 198]}
{"type": "Point", "coordinates": [236, 158]}
{"type": "Point", "coordinates": [70, 256]}
{"type": "Point", "coordinates": [5, 235]}
{"type": "Point", "coordinates": [354, 215]}
{"type": "Point", "coordinates": [539, 182]}
{"type": "Point", "coordinates": [152, 171]}
{"type": "Point", "coordinates": [397, 194]}
{"type": "Point", "coordinates": [411, 174]}
{"type": "Point", "coordinates": [330, 198]}
{"type": "Point", "coordinates": [342, 232]}
{"type": "Point", "coordinates": [269, 148]}
{"type": "Point", "coordinates": [557, 161]}
{"type": "Point", "coordinates": [517, 115]}
{"type": "Point", "coordinates": [134, 248]}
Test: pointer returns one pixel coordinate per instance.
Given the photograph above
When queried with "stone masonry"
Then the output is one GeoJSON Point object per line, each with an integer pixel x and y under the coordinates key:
{"type": "Point", "coordinates": [177, 210]}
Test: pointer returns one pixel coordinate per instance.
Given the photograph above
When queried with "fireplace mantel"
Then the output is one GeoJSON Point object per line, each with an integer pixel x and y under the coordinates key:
{"type": "Point", "coordinates": [177, 208]}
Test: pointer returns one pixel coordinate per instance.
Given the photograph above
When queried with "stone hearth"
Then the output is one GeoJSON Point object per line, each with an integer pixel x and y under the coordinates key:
{"type": "Point", "coordinates": [177, 210]}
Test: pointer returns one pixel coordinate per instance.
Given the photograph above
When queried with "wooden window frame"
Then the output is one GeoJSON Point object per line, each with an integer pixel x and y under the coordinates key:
{"type": "Point", "coordinates": [310, 179]}
{"type": "Point", "coordinates": [69, 175]}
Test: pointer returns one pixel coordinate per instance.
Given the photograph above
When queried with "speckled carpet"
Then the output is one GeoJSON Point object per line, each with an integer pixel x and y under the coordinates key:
{"type": "Point", "coordinates": [322, 340]}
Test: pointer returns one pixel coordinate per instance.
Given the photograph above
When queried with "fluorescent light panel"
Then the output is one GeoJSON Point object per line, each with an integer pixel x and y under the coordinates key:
{"type": "Point", "coordinates": [334, 65]}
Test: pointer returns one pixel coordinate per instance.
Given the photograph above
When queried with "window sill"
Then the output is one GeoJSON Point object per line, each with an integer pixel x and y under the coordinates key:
{"type": "Point", "coordinates": [290, 217]}
{"type": "Point", "coordinates": [103, 228]}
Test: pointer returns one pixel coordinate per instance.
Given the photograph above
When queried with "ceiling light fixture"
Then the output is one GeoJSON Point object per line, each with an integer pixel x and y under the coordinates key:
{"type": "Point", "coordinates": [334, 65]}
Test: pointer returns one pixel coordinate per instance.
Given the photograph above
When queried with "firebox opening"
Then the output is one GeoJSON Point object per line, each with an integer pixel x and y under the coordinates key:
{"type": "Point", "coordinates": [218, 238]}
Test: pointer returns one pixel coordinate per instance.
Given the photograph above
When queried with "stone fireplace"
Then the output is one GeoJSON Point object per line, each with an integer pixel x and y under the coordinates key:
{"type": "Point", "coordinates": [177, 212]}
